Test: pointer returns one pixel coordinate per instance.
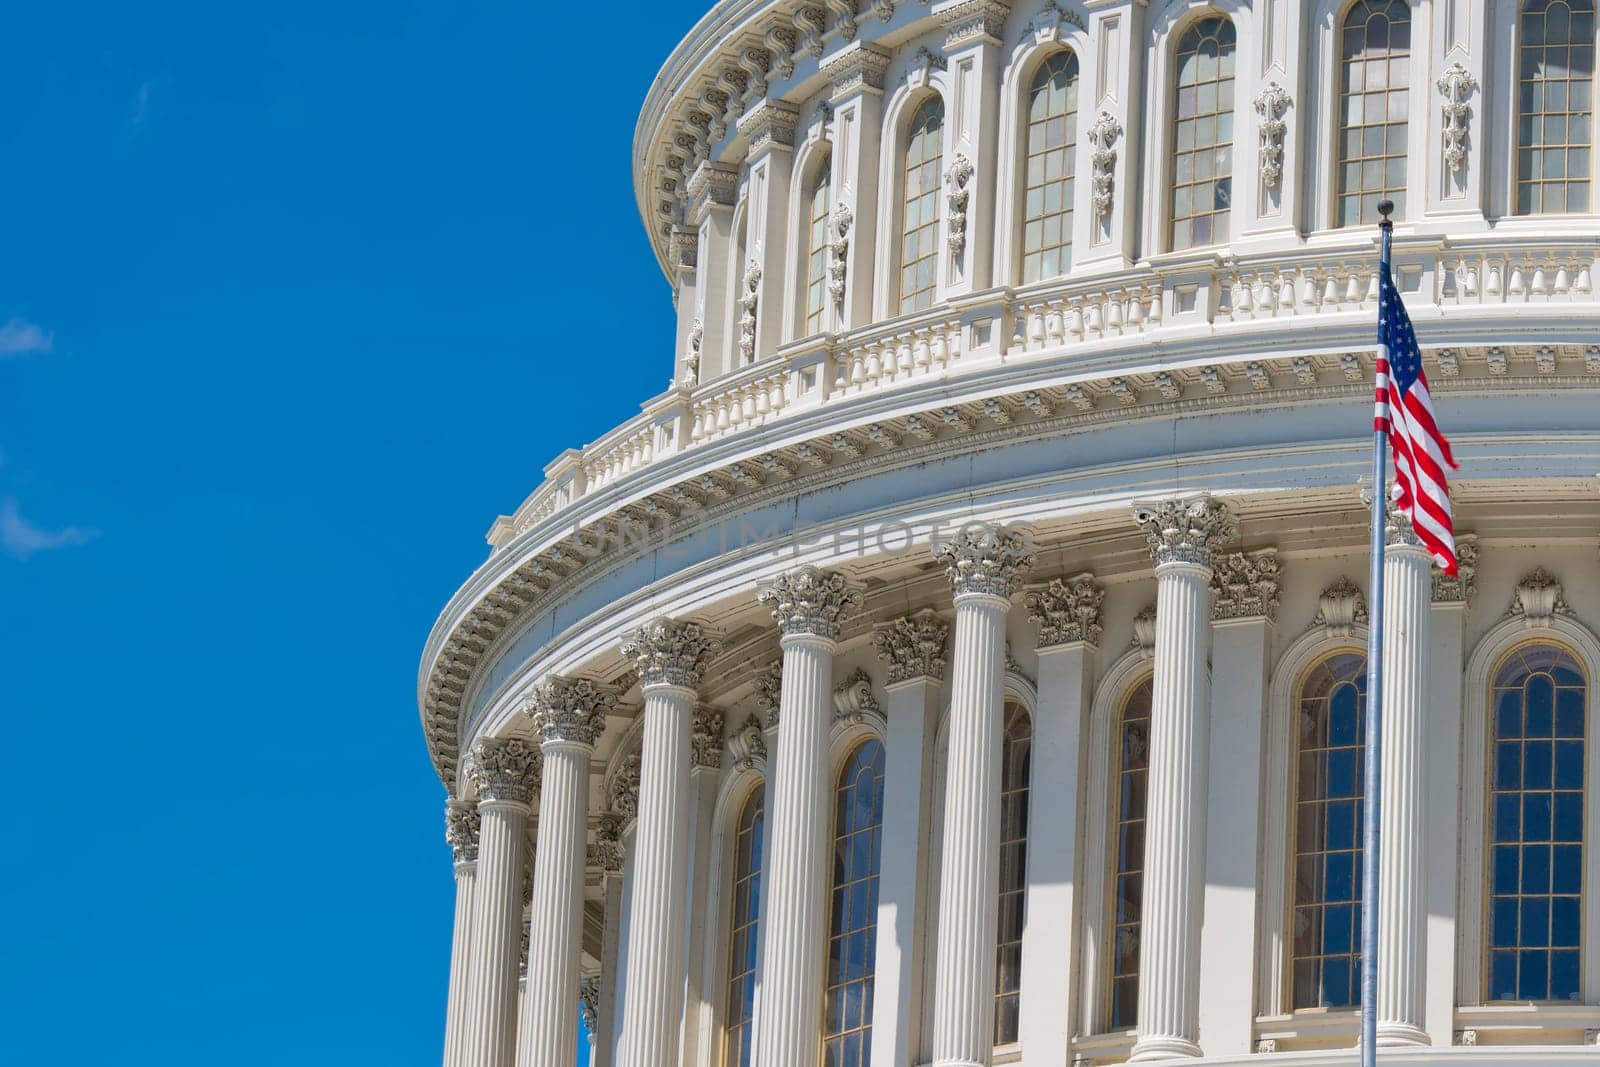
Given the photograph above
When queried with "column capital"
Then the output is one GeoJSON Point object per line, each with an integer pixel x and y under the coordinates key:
{"type": "Point", "coordinates": [623, 792]}
{"type": "Point", "coordinates": [858, 67]}
{"type": "Point", "coordinates": [569, 710]}
{"type": "Point", "coordinates": [1185, 529]}
{"type": "Point", "coordinates": [504, 769]}
{"type": "Point", "coordinates": [1067, 610]}
{"type": "Point", "coordinates": [810, 601]}
{"type": "Point", "coordinates": [1461, 588]}
{"type": "Point", "coordinates": [711, 185]}
{"type": "Point", "coordinates": [913, 647]}
{"type": "Point", "coordinates": [606, 850]}
{"type": "Point", "coordinates": [969, 22]}
{"type": "Point", "coordinates": [705, 739]}
{"type": "Point", "coordinates": [769, 686]}
{"type": "Point", "coordinates": [589, 1004]}
{"type": "Point", "coordinates": [985, 560]}
{"type": "Point", "coordinates": [668, 652]}
{"type": "Point", "coordinates": [1245, 585]}
{"type": "Point", "coordinates": [461, 825]}
{"type": "Point", "coordinates": [769, 125]}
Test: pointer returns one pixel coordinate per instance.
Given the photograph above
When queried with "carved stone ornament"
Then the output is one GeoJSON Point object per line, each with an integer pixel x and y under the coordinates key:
{"type": "Point", "coordinates": [1266, 1046]}
{"type": "Point", "coordinates": [624, 789]}
{"type": "Point", "coordinates": [1340, 607]}
{"type": "Point", "coordinates": [1466, 1037]}
{"type": "Point", "coordinates": [769, 682]}
{"type": "Point", "coordinates": [589, 1005]}
{"type": "Point", "coordinates": [1538, 599]}
{"type": "Point", "coordinates": [504, 768]}
{"type": "Point", "coordinates": [1456, 84]}
{"type": "Point", "coordinates": [461, 825]}
{"type": "Point", "coordinates": [748, 746]}
{"type": "Point", "coordinates": [913, 647]}
{"type": "Point", "coordinates": [809, 600]}
{"type": "Point", "coordinates": [1397, 529]}
{"type": "Point", "coordinates": [812, 23]}
{"type": "Point", "coordinates": [570, 710]}
{"type": "Point", "coordinates": [956, 179]}
{"type": "Point", "coordinates": [691, 359]}
{"type": "Point", "coordinates": [1270, 103]}
{"type": "Point", "coordinates": [749, 297]}
{"type": "Point", "coordinates": [853, 700]}
{"type": "Point", "coordinates": [1046, 25]}
{"type": "Point", "coordinates": [705, 738]}
{"type": "Point", "coordinates": [985, 560]}
{"type": "Point", "coordinates": [1461, 588]}
{"type": "Point", "coordinates": [669, 652]}
{"type": "Point", "coordinates": [605, 853]}
{"type": "Point", "coordinates": [1103, 136]}
{"type": "Point", "coordinates": [1185, 529]}
{"type": "Point", "coordinates": [971, 20]}
{"type": "Point", "coordinates": [1245, 584]}
{"type": "Point", "coordinates": [838, 250]}
{"type": "Point", "coordinates": [1067, 610]}
{"type": "Point", "coordinates": [1144, 631]}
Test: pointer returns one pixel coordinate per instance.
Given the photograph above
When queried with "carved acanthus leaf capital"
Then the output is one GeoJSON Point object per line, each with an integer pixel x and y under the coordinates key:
{"type": "Point", "coordinates": [623, 792]}
{"type": "Point", "coordinates": [589, 1005]}
{"type": "Point", "coordinates": [669, 652]}
{"type": "Point", "coordinates": [982, 559]}
{"type": "Point", "coordinates": [1340, 607]}
{"type": "Point", "coordinates": [570, 710]}
{"type": "Point", "coordinates": [1538, 599]}
{"type": "Point", "coordinates": [1186, 529]}
{"type": "Point", "coordinates": [809, 600]}
{"type": "Point", "coordinates": [769, 125]}
{"type": "Point", "coordinates": [461, 825]}
{"type": "Point", "coordinates": [1461, 588]}
{"type": "Point", "coordinates": [853, 699]}
{"type": "Point", "coordinates": [1067, 610]}
{"type": "Point", "coordinates": [769, 684]}
{"type": "Point", "coordinates": [913, 646]}
{"type": "Point", "coordinates": [1245, 584]}
{"type": "Point", "coordinates": [605, 853]}
{"type": "Point", "coordinates": [705, 738]}
{"type": "Point", "coordinates": [504, 768]}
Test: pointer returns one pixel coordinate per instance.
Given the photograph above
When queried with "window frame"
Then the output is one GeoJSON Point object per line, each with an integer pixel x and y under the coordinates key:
{"type": "Point", "coordinates": [1169, 131]}
{"type": "Point", "coordinates": [846, 745]}
{"type": "Point", "coordinates": [1022, 153]}
{"type": "Point", "coordinates": [900, 170]}
{"type": "Point", "coordinates": [1513, 143]}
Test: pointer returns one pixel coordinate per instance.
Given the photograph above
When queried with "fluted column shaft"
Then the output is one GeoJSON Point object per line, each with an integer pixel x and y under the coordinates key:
{"type": "Point", "coordinates": [491, 1026]}
{"type": "Point", "coordinates": [655, 924]}
{"type": "Point", "coordinates": [969, 874]}
{"type": "Point", "coordinates": [549, 1032]}
{"type": "Point", "coordinates": [460, 944]}
{"type": "Point", "coordinates": [1407, 608]}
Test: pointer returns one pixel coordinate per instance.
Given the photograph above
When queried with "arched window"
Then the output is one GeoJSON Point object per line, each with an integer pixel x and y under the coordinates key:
{"type": "Point", "coordinates": [1127, 895]}
{"type": "Point", "coordinates": [853, 923]}
{"type": "Point", "coordinates": [919, 226]}
{"type": "Point", "coordinates": [1374, 83]}
{"type": "Point", "coordinates": [1555, 106]}
{"type": "Point", "coordinates": [1015, 761]}
{"type": "Point", "coordinates": [817, 248]}
{"type": "Point", "coordinates": [1538, 707]}
{"type": "Point", "coordinates": [1047, 182]}
{"type": "Point", "coordinates": [1202, 145]}
{"type": "Point", "coordinates": [1325, 969]}
{"type": "Point", "coordinates": [743, 930]}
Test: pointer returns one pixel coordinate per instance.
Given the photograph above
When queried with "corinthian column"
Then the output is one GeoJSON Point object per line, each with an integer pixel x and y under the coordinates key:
{"type": "Point", "coordinates": [1407, 607]}
{"type": "Point", "coordinates": [461, 822]}
{"type": "Point", "coordinates": [808, 605]}
{"type": "Point", "coordinates": [569, 715]}
{"type": "Point", "coordinates": [505, 773]}
{"type": "Point", "coordinates": [985, 565]}
{"type": "Point", "coordinates": [668, 656]}
{"type": "Point", "coordinates": [1182, 534]}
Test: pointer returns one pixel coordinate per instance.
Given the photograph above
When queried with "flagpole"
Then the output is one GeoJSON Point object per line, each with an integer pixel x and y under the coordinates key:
{"type": "Point", "coordinates": [1372, 792]}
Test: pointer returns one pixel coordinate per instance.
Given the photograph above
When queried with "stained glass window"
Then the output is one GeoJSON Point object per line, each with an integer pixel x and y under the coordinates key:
{"type": "Point", "coordinates": [1047, 181]}
{"type": "Point", "coordinates": [1555, 106]}
{"type": "Point", "coordinates": [853, 925]}
{"type": "Point", "coordinates": [1374, 88]}
{"type": "Point", "coordinates": [1202, 149]}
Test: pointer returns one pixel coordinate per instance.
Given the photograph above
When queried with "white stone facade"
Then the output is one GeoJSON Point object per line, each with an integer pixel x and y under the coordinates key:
{"type": "Point", "coordinates": [958, 664]}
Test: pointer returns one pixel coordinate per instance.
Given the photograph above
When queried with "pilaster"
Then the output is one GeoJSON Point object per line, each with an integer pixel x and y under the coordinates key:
{"type": "Point", "coordinates": [1457, 116]}
{"type": "Point", "coordinates": [973, 30]}
{"type": "Point", "coordinates": [706, 343]}
{"type": "Point", "coordinates": [705, 774]}
{"type": "Point", "coordinates": [857, 74]}
{"type": "Point", "coordinates": [1106, 214]}
{"type": "Point", "coordinates": [768, 128]}
{"type": "Point", "coordinates": [461, 831]}
{"type": "Point", "coordinates": [1271, 130]}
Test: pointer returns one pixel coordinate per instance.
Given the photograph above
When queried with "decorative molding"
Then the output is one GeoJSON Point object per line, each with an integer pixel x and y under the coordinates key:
{"type": "Point", "coordinates": [920, 68]}
{"type": "Point", "coordinates": [1266, 1046]}
{"type": "Point", "coordinates": [966, 21]}
{"type": "Point", "coordinates": [1456, 84]}
{"type": "Point", "coordinates": [589, 1005]}
{"type": "Point", "coordinates": [1067, 610]}
{"type": "Point", "coordinates": [623, 792]}
{"type": "Point", "coordinates": [605, 852]}
{"type": "Point", "coordinates": [504, 769]}
{"type": "Point", "coordinates": [748, 746]}
{"type": "Point", "coordinates": [570, 710]}
{"type": "Point", "coordinates": [1185, 529]}
{"type": "Point", "coordinates": [1144, 631]}
{"type": "Point", "coordinates": [809, 600]}
{"type": "Point", "coordinates": [1045, 27]}
{"type": "Point", "coordinates": [956, 179]}
{"type": "Point", "coordinates": [913, 646]}
{"type": "Point", "coordinates": [1340, 607]}
{"type": "Point", "coordinates": [781, 41]}
{"type": "Point", "coordinates": [705, 739]}
{"type": "Point", "coordinates": [1103, 136]}
{"type": "Point", "coordinates": [749, 298]}
{"type": "Point", "coordinates": [1270, 103]}
{"type": "Point", "coordinates": [769, 683]}
{"type": "Point", "coordinates": [838, 250]}
{"type": "Point", "coordinates": [1537, 599]}
{"type": "Point", "coordinates": [853, 700]}
{"type": "Point", "coordinates": [1465, 1037]}
{"type": "Point", "coordinates": [691, 359]}
{"type": "Point", "coordinates": [768, 125]}
{"type": "Point", "coordinates": [461, 825]}
{"type": "Point", "coordinates": [982, 559]}
{"type": "Point", "coordinates": [1245, 585]}
{"type": "Point", "coordinates": [1463, 586]}
{"type": "Point", "coordinates": [858, 68]}
{"type": "Point", "coordinates": [844, 19]}
{"type": "Point", "coordinates": [811, 22]}
{"type": "Point", "coordinates": [669, 652]}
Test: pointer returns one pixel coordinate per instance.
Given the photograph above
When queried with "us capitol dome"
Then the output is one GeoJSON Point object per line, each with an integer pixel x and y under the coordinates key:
{"type": "Point", "coordinates": [962, 662]}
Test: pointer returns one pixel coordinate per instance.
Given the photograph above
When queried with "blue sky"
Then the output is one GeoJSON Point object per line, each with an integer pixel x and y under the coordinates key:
{"type": "Point", "coordinates": [295, 299]}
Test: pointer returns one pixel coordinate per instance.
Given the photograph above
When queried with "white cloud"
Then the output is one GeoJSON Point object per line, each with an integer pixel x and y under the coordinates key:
{"type": "Point", "coordinates": [21, 538]}
{"type": "Point", "coordinates": [19, 337]}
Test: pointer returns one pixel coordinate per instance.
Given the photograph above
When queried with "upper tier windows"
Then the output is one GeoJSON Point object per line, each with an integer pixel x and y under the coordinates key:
{"type": "Point", "coordinates": [1374, 92]}
{"type": "Point", "coordinates": [919, 224]}
{"type": "Point", "coordinates": [1048, 188]}
{"type": "Point", "coordinates": [1555, 106]}
{"type": "Point", "coordinates": [1202, 134]}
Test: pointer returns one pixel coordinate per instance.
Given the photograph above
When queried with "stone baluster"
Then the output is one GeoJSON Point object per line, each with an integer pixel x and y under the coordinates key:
{"type": "Point", "coordinates": [985, 565]}
{"type": "Point", "coordinates": [505, 773]}
{"type": "Point", "coordinates": [668, 655]}
{"type": "Point", "coordinates": [461, 822]}
{"type": "Point", "coordinates": [809, 605]}
{"type": "Point", "coordinates": [569, 715]}
{"type": "Point", "coordinates": [1182, 534]}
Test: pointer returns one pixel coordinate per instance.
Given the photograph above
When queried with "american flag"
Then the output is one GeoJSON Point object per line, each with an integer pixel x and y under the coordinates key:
{"type": "Point", "coordinates": [1404, 411]}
